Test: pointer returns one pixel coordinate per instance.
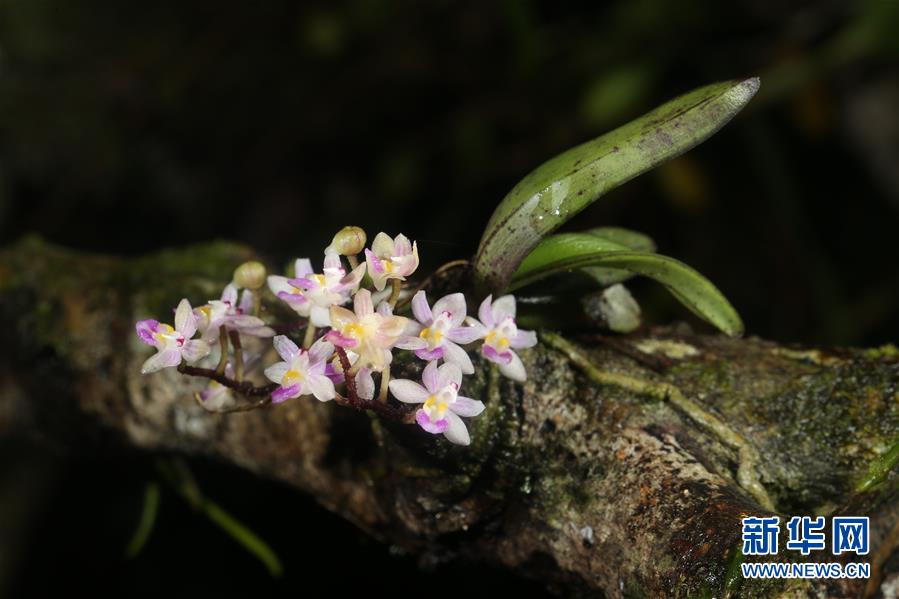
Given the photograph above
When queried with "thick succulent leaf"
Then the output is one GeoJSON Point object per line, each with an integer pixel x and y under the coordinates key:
{"type": "Point", "coordinates": [560, 188]}
{"type": "Point", "coordinates": [632, 240]}
{"type": "Point", "coordinates": [560, 253]}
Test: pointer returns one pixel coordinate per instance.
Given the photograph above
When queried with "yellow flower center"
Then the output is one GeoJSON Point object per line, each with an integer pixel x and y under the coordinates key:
{"type": "Point", "coordinates": [434, 404]}
{"type": "Point", "coordinates": [291, 377]}
{"type": "Point", "coordinates": [354, 330]}
{"type": "Point", "coordinates": [432, 335]}
{"type": "Point", "coordinates": [497, 340]}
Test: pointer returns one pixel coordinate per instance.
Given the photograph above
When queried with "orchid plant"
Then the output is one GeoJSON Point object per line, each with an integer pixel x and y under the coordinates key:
{"type": "Point", "coordinates": [343, 350]}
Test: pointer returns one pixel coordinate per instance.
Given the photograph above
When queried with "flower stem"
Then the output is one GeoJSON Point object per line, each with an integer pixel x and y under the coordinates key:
{"type": "Point", "coordinates": [310, 336]}
{"type": "Point", "coordinates": [396, 286]}
{"type": "Point", "coordinates": [353, 260]}
{"type": "Point", "coordinates": [238, 356]}
{"type": "Point", "coordinates": [385, 381]}
{"type": "Point", "coordinates": [223, 344]}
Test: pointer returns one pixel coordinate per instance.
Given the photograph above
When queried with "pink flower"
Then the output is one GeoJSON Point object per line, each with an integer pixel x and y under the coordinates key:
{"type": "Point", "coordinates": [369, 334]}
{"type": "Point", "coordinates": [438, 331]}
{"type": "Point", "coordinates": [391, 259]}
{"type": "Point", "coordinates": [442, 405]}
{"type": "Point", "coordinates": [172, 344]}
{"type": "Point", "coordinates": [501, 335]}
{"type": "Point", "coordinates": [312, 295]}
{"type": "Point", "coordinates": [303, 372]}
{"type": "Point", "coordinates": [226, 312]}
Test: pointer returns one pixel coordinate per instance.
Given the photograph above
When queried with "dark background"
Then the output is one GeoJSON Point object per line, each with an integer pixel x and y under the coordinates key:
{"type": "Point", "coordinates": [126, 127]}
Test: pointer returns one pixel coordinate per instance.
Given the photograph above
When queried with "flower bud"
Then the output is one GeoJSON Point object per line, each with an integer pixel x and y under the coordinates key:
{"type": "Point", "coordinates": [250, 275]}
{"type": "Point", "coordinates": [349, 241]}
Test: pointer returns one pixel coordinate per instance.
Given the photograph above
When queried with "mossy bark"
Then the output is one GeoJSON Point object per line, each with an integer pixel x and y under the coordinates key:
{"type": "Point", "coordinates": [599, 476]}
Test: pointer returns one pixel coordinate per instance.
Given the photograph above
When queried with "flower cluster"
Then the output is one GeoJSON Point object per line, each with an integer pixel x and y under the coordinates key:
{"type": "Point", "coordinates": [344, 346]}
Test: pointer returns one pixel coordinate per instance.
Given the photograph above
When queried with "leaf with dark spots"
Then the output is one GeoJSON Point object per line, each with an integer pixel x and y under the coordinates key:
{"type": "Point", "coordinates": [560, 188]}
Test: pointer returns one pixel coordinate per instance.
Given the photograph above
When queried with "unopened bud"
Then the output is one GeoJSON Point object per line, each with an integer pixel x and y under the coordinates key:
{"type": "Point", "coordinates": [250, 275]}
{"type": "Point", "coordinates": [349, 241]}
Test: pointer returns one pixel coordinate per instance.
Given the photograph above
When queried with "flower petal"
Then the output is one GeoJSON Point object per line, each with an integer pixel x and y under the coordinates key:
{"type": "Point", "coordinates": [332, 260]}
{"type": "Point", "coordinates": [411, 343]}
{"type": "Point", "coordinates": [504, 306]}
{"type": "Point", "coordinates": [341, 317]}
{"type": "Point", "coordinates": [275, 373]}
{"type": "Point", "coordinates": [362, 303]}
{"type": "Point", "coordinates": [284, 393]}
{"type": "Point", "coordinates": [485, 312]}
{"type": "Point", "coordinates": [321, 387]}
{"type": "Point", "coordinates": [454, 354]}
{"type": "Point", "coordinates": [320, 351]}
{"type": "Point", "coordinates": [401, 246]}
{"type": "Point", "coordinates": [247, 299]}
{"type": "Point", "coordinates": [430, 378]}
{"type": "Point", "coordinates": [278, 284]}
{"type": "Point", "coordinates": [195, 350]}
{"type": "Point", "coordinates": [391, 329]}
{"type": "Point", "coordinates": [320, 317]}
{"type": "Point", "coordinates": [455, 305]}
{"type": "Point", "coordinates": [523, 339]}
{"type": "Point", "coordinates": [465, 406]}
{"type": "Point", "coordinates": [449, 373]}
{"type": "Point", "coordinates": [229, 294]}
{"type": "Point", "coordinates": [302, 267]}
{"type": "Point", "coordinates": [352, 280]}
{"type": "Point", "coordinates": [408, 391]}
{"type": "Point", "coordinates": [466, 335]}
{"type": "Point", "coordinates": [185, 321]}
{"type": "Point", "coordinates": [286, 348]}
{"type": "Point", "coordinates": [164, 359]}
{"type": "Point", "coordinates": [514, 369]}
{"type": "Point", "coordinates": [365, 384]}
{"type": "Point", "coordinates": [420, 308]}
{"type": "Point", "coordinates": [456, 432]}
{"type": "Point", "coordinates": [429, 355]}
{"type": "Point", "coordinates": [382, 246]}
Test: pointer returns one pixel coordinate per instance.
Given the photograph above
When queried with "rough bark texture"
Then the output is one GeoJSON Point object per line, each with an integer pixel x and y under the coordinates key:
{"type": "Point", "coordinates": [599, 476]}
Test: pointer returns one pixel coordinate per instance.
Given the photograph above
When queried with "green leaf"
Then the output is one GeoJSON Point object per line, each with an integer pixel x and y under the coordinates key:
{"type": "Point", "coordinates": [560, 253]}
{"type": "Point", "coordinates": [560, 188]}
{"type": "Point", "coordinates": [632, 240]}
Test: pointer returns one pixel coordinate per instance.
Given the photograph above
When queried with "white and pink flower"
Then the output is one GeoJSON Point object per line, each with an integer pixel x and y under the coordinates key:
{"type": "Point", "coordinates": [172, 343]}
{"type": "Point", "coordinates": [391, 259]}
{"type": "Point", "coordinates": [440, 330]}
{"type": "Point", "coordinates": [501, 335]}
{"type": "Point", "coordinates": [302, 372]}
{"type": "Point", "coordinates": [227, 312]}
{"type": "Point", "coordinates": [312, 295]}
{"type": "Point", "coordinates": [442, 406]}
{"type": "Point", "coordinates": [368, 333]}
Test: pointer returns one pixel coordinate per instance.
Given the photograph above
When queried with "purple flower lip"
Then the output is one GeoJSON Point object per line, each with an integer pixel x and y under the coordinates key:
{"type": "Point", "coordinates": [146, 329]}
{"type": "Point", "coordinates": [337, 338]}
{"type": "Point", "coordinates": [284, 393]}
{"type": "Point", "coordinates": [425, 354]}
{"type": "Point", "coordinates": [495, 356]}
{"type": "Point", "coordinates": [432, 426]}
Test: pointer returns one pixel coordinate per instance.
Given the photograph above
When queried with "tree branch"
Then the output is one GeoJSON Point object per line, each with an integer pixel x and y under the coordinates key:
{"type": "Point", "coordinates": [601, 474]}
